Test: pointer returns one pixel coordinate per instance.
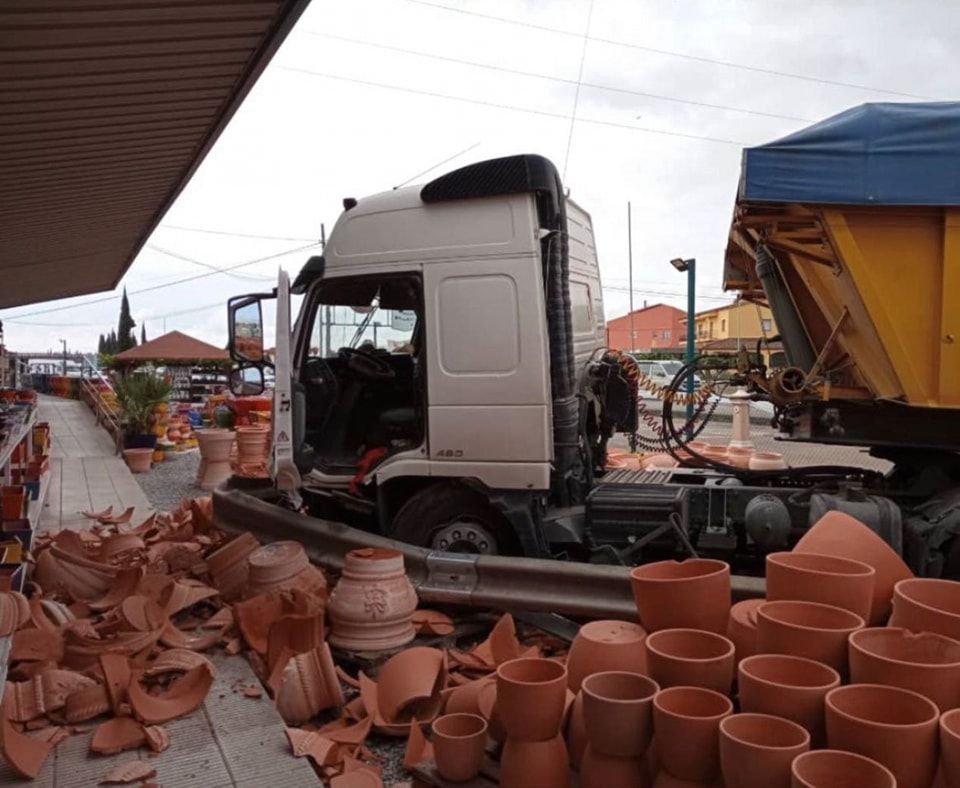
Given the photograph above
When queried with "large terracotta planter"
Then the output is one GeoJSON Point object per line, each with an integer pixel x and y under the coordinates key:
{"type": "Point", "coordinates": [228, 565]}
{"type": "Point", "coordinates": [618, 712]}
{"type": "Point", "coordinates": [757, 750]}
{"type": "Point", "coordinates": [742, 628]}
{"type": "Point", "coordinates": [837, 769]}
{"type": "Point", "coordinates": [895, 727]}
{"type": "Point", "coordinates": [926, 662]}
{"type": "Point", "coordinates": [923, 604]}
{"type": "Point", "coordinates": [459, 741]}
{"type": "Point", "coordinates": [841, 535]}
{"type": "Point", "coordinates": [605, 645]}
{"type": "Point", "coordinates": [531, 694]}
{"type": "Point", "coordinates": [690, 658]}
{"type": "Point", "coordinates": [543, 764]}
{"type": "Point", "coordinates": [790, 687]}
{"type": "Point", "coordinates": [252, 444]}
{"type": "Point", "coordinates": [371, 607]}
{"type": "Point", "coordinates": [827, 579]}
{"type": "Point", "coordinates": [138, 460]}
{"type": "Point", "coordinates": [606, 771]}
{"type": "Point", "coordinates": [806, 629]}
{"type": "Point", "coordinates": [692, 594]}
{"type": "Point", "coordinates": [950, 747]}
{"type": "Point", "coordinates": [687, 724]}
{"type": "Point", "coordinates": [576, 733]}
{"type": "Point", "coordinates": [282, 566]}
{"type": "Point", "coordinates": [215, 446]}
{"type": "Point", "coordinates": [307, 684]}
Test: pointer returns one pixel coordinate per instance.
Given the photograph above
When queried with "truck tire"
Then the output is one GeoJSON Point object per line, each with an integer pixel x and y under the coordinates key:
{"type": "Point", "coordinates": [453, 517]}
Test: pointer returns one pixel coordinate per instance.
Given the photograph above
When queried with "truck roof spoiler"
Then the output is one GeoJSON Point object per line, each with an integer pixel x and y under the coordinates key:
{"type": "Point", "coordinates": [310, 272]}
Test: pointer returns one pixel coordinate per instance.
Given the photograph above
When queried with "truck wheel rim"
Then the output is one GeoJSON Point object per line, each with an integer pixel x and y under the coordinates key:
{"type": "Point", "coordinates": [465, 537]}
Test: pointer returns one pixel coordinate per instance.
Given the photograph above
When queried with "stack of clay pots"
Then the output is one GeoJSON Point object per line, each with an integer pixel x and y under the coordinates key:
{"type": "Point", "coordinates": [252, 448]}
{"type": "Point", "coordinates": [215, 446]}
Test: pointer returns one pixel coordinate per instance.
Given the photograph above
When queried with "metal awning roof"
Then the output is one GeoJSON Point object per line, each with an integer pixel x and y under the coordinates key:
{"type": "Point", "coordinates": [107, 107]}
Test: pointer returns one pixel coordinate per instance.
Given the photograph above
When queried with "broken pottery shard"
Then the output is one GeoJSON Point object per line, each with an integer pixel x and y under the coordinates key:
{"type": "Point", "coordinates": [418, 748]}
{"type": "Point", "coordinates": [158, 739]}
{"type": "Point", "coordinates": [197, 641]}
{"type": "Point", "coordinates": [184, 696]}
{"type": "Point", "coordinates": [14, 612]}
{"type": "Point", "coordinates": [504, 645]}
{"type": "Point", "coordinates": [124, 586]}
{"type": "Point", "coordinates": [97, 515]}
{"type": "Point", "coordinates": [24, 754]}
{"type": "Point", "coordinates": [110, 519]}
{"type": "Point", "coordinates": [116, 674]}
{"type": "Point", "coordinates": [255, 616]}
{"type": "Point", "coordinates": [307, 684]}
{"type": "Point", "coordinates": [117, 735]}
{"type": "Point", "coordinates": [320, 749]}
{"type": "Point", "coordinates": [36, 645]}
{"type": "Point", "coordinates": [432, 622]}
{"type": "Point", "coordinates": [129, 772]}
{"type": "Point", "coordinates": [408, 679]}
{"type": "Point", "coordinates": [86, 703]}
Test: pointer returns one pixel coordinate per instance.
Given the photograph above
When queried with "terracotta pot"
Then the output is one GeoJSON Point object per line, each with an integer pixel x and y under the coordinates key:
{"type": "Point", "coordinates": [841, 535]}
{"type": "Point", "coordinates": [739, 456]}
{"type": "Point", "coordinates": [465, 699]}
{"type": "Point", "coordinates": [690, 658]}
{"type": "Point", "coordinates": [228, 565]}
{"type": "Point", "coordinates": [252, 444]}
{"type": "Point", "coordinates": [836, 769]}
{"type": "Point", "coordinates": [605, 645]}
{"type": "Point", "coordinates": [923, 604]}
{"type": "Point", "coordinates": [618, 712]}
{"type": "Point", "coordinates": [692, 594]}
{"type": "Point", "coordinates": [687, 723]}
{"type": "Point", "coordinates": [531, 694]}
{"type": "Point", "coordinates": [487, 700]}
{"type": "Point", "coordinates": [138, 460]}
{"type": "Point", "coordinates": [409, 679]}
{"type": "Point", "coordinates": [742, 627]}
{"type": "Point", "coordinates": [790, 687]}
{"type": "Point", "coordinates": [281, 566]}
{"type": "Point", "coordinates": [215, 447]}
{"type": "Point", "coordinates": [660, 460]}
{"type": "Point", "coordinates": [895, 727]}
{"type": "Point", "coordinates": [543, 764]}
{"type": "Point", "coordinates": [827, 579]}
{"type": "Point", "coordinates": [926, 663]}
{"type": "Point", "coordinates": [307, 684]}
{"type": "Point", "coordinates": [757, 750]}
{"type": "Point", "coordinates": [371, 607]}
{"type": "Point", "coordinates": [14, 500]}
{"type": "Point", "coordinates": [950, 747]}
{"type": "Point", "coordinates": [806, 629]}
{"type": "Point", "coordinates": [459, 741]}
{"type": "Point", "coordinates": [767, 461]}
{"type": "Point", "coordinates": [576, 733]}
{"type": "Point", "coordinates": [600, 770]}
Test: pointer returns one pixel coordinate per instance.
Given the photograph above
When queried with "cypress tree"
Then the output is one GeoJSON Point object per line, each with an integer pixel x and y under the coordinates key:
{"type": "Point", "coordinates": [101, 345]}
{"type": "Point", "coordinates": [143, 333]}
{"type": "Point", "coordinates": [125, 326]}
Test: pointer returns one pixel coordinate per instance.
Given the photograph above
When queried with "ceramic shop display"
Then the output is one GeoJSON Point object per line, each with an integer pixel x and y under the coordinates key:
{"type": "Point", "coordinates": [693, 594]}
{"type": "Point", "coordinates": [950, 747]}
{"type": "Point", "coordinates": [215, 444]}
{"type": "Point", "coordinates": [806, 629]}
{"type": "Point", "coordinates": [372, 605]}
{"type": "Point", "coordinates": [618, 718]}
{"type": "Point", "coordinates": [838, 769]}
{"type": "Point", "coordinates": [459, 741]}
{"type": "Point", "coordinates": [686, 721]}
{"type": "Point", "coordinates": [757, 750]}
{"type": "Point", "coordinates": [742, 627]}
{"type": "Point", "coordinates": [827, 579]}
{"type": "Point", "coordinates": [893, 726]}
{"type": "Point", "coordinates": [924, 604]}
{"type": "Point", "coordinates": [923, 662]}
{"type": "Point", "coordinates": [605, 645]}
{"type": "Point", "coordinates": [790, 687]}
{"type": "Point", "coordinates": [841, 535]}
{"type": "Point", "coordinates": [691, 658]}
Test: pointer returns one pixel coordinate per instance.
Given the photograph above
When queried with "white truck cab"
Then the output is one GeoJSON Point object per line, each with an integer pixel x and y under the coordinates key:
{"type": "Point", "coordinates": [477, 307]}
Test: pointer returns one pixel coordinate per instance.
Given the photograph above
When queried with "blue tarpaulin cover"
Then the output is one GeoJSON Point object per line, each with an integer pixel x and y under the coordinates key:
{"type": "Point", "coordinates": [874, 154]}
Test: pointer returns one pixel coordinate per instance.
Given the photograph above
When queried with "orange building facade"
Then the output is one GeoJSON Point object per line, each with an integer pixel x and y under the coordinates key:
{"type": "Point", "coordinates": [652, 327]}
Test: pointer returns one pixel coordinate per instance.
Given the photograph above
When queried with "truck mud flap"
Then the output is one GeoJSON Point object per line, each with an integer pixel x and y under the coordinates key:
{"type": "Point", "coordinates": [499, 582]}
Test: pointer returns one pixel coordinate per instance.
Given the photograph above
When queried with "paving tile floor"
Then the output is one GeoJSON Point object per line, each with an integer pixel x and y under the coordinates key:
{"type": "Point", "coordinates": [231, 740]}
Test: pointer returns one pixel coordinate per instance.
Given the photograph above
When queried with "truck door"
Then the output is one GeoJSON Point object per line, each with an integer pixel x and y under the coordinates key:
{"type": "Point", "coordinates": [487, 363]}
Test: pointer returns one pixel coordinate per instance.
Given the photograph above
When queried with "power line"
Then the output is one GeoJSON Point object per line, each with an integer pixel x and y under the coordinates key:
{"type": "Point", "coordinates": [178, 256]}
{"type": "Point", "coordinates": [255, 236]}
{"type": "Point", "coordinates": [559, 80]}
{"type": "Point", "coordinates": [576, 95]}
{"type": "Point", "coordinates": [161, 286]}
{"type": "Point", "coordinates": [512, 108]}
{"type": "Point", "coordinates": [438, 164]}
{"type": "Point", "coordinates": [670, 53]}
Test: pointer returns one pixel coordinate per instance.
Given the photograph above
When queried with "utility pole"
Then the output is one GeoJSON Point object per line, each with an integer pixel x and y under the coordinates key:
{"type": "Point", "coordinates": [64, 357]}
{"type": "Point", "coordinates": [630, 267]}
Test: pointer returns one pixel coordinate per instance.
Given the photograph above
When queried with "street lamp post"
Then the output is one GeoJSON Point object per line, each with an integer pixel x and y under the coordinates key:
{"type": "Point", "coordinates": [690, 266]}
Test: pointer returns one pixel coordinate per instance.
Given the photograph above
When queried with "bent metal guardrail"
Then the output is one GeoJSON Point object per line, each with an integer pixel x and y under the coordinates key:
{"type": "Point", "coordinates": [489, 581]}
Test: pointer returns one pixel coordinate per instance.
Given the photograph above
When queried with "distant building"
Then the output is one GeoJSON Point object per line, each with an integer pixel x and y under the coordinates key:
{"type": "Point", "coordinates": [653, 327]}
{"type": "Point", "coordinates": [725, 329]}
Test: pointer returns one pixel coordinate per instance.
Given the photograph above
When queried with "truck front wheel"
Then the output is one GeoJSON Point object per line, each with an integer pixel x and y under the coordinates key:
{"type": "Point", "coordinates": [456, 519]}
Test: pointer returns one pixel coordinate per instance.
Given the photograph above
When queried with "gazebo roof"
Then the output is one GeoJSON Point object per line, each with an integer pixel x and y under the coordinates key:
{"type": "Point", "coordinates": [174, 346]}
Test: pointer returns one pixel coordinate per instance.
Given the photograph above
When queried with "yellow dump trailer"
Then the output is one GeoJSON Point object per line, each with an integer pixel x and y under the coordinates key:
{"type": "Point", "coordinates": [850, 232]}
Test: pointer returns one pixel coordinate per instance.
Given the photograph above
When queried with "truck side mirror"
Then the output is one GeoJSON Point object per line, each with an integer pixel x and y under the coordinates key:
{"type": "Point", "coordinates": [246, 329]}
{"type": "Point", "coordinates": [246, 381]}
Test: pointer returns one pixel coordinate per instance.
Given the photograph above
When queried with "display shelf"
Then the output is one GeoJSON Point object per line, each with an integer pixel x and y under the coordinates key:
{"type": "Point", "coordinates": [9, 445]}
{"type": "Point", "coordinates": [35, 507]}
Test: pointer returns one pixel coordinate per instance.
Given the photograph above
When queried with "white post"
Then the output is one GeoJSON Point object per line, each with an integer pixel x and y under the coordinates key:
{"type": "Point", "coordinates": [741, 420]}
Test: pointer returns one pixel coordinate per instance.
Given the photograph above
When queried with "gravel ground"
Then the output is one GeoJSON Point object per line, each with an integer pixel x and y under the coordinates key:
{"type": "Point", "coordinates": [171, 480]}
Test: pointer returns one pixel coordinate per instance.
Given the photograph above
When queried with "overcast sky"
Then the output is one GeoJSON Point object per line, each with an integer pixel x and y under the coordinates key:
{"type": "Point", "coordinates": [303, 141]}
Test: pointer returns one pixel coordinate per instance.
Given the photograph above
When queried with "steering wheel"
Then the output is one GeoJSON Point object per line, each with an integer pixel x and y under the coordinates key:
{"type": "Point", "coordinates": [365, 365]}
